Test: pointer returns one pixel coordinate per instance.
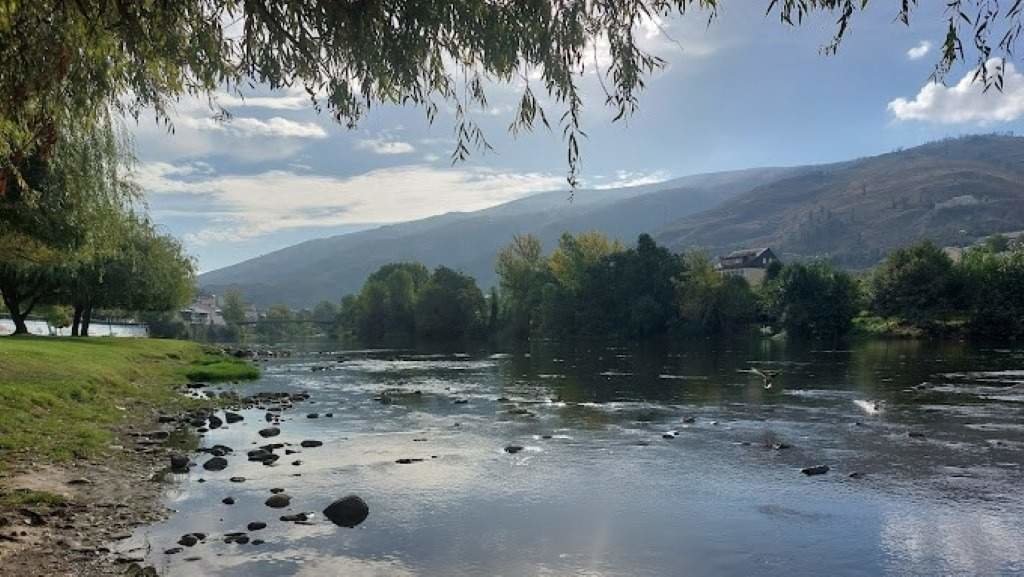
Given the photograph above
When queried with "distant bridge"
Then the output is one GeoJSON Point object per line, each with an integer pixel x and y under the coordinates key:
{"type": "Point", "coordinates": [284, 322]}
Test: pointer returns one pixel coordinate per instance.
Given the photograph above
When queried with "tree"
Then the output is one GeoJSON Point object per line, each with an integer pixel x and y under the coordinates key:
{"type": "Point", "coordinates": [65, 209]}
{"type": "Point", "coordinates": [275, 327]}
{"type": "Point", "coordinates": [522, 273]}
{"type": "Point", "coordinates": [712, 302]}
{"type": "Point", "coordinates": [917, 284]}
{"type": "Point", "coordinates": [233, 309]}
{"type": "Point", "coordinates": [387, 302]}
{"type": "Point", "coordinates": [630, 293]}
{"type": "Point", "coordinates": [143, 271]}
{"type": "Point", "coordinates": [994, 291]}
{"type": "Point", "coordinates": [450, 306]}
{"type": "Point", "coordinates": [64, 63]}
{"type": "Point", "coordinates": [576, 253]}
{"type": "Point", "coordinates": [813, 300]}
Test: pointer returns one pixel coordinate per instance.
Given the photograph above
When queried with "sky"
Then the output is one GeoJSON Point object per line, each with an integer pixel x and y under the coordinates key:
{"type": "Point", "coordinates": [741, 92]}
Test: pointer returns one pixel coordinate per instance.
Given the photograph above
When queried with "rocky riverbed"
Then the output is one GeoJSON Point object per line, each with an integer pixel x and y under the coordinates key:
{"type": "Point", "coordinates": [891, 459]}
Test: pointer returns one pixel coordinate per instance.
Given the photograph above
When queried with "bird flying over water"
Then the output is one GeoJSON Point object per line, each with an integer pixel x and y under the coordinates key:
{"type": "Point", "coordinates": [766, 375]}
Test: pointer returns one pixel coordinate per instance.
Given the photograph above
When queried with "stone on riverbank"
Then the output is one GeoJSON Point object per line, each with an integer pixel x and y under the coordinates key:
{"type": "Point", "coordinates": [179, 463]}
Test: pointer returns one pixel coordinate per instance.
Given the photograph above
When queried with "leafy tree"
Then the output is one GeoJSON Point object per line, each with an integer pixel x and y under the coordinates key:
{"type": "Point", "coordinates": [522, 273]}
{"type": "Point", "coordinates": [64, 63]}
{"type": "Point", "coordinates": [67, 209]}
{"type": "Point", "coordinates": [57, 316]}
{"type": "Point", "coordinates": [450, 306]}
{"type": "Point", "coordinates": [324, 312]}
{"type": "Point", "coordinates": [387, 302]}
{"type": "Point", "coordinates": [994, 292]}
{"type": "Point", "coordinates": [576, 253]}
{"type": "Point", "coordinates": [917, 284]}
{"type": "Point", "coordinates": [233, 309]}
{"type": "Point", "coordinates": [815, 300]}
{"type": "Point", "coordinates": [712, 302]}
{"type": "Point", "coordinates": [277, 323]}
{"type": "Point", "coordinates": [148, 271]}
{"type": "Point", "coordinates": [630, 293]}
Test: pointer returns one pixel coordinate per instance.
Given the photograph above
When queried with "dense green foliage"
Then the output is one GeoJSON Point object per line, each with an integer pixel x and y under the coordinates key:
{"type": "Point", "coordinates": [993, 291]}
{"type": "Point", "coordinates": [70, 236]}
{"type": "Point", "coordinates": [917, 283]}
{"type": "Point", "coordinates": [592, 287]}
{"type": "Point", "coordinates": [402, 301]}
{"type": "Point", "coordinates": [815, 300]}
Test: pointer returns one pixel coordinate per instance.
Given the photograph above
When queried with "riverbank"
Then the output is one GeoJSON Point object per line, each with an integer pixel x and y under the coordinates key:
{"type": "Point", "coordinates": [79, 445]}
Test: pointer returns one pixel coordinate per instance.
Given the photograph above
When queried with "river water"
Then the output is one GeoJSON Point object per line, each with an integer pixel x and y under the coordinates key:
{"type": "Point", "coordinates": [935, 433]}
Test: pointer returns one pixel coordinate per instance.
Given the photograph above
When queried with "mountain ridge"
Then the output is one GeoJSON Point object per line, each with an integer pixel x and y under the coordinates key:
{"type": "Point", "coordinates": [852, 212]}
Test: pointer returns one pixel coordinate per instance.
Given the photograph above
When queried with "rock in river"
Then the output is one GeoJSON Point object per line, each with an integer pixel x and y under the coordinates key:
{"type": "Point", "coordinates": [232, 417]}
{"type": "Point", "coordinates": [179, 463]}
{"type": "Point", "coordinates": [309, 444]}
{"type": "Point", "coordinates": [215, 422]}
{"type": "Point", "coordinates": [279, 501]}
{"type": "Point", "coordinates": [513, 449]}
{"type": "Point", "coordinates": [348, 511]}
{"type": "Point", "coordinates": [270, 432]}
{"type": "Point", "coordinates": [228, 500]}
{"type": "Point", "coordinates": [216, 464]}
{"type": "Point", "coordinates": [256, 526]}
{"type": "Point", "coordinates": [815, 470]}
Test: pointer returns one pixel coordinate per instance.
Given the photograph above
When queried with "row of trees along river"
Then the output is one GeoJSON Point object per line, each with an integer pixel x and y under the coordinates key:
{"type": "Point", "coordinates": [75, 238]}
{"type": "Point", "coordinates": [594, 287]}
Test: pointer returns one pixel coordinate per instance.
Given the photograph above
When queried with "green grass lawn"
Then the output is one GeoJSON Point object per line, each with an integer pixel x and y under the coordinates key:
{"type": "Point", "coordinates": [61, 397]}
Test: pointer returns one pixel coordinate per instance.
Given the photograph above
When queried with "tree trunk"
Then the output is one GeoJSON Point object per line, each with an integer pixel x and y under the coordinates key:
{"type": "Point", "coordinates": [86, 319]}
{"type": "Point", "coordinates": [13, 304]}
{"type": "Point", "coordinates": [76, 322]}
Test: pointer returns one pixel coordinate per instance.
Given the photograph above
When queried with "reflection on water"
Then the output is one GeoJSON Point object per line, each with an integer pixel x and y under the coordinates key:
{"type": "Point", "coordinates": [655, 460]}
{"type": "Point", "coordinates": [43, 328]}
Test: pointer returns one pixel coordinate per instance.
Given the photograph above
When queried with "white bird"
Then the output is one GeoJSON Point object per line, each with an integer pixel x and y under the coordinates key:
{"type": "Point", "coordinates": [766, 375]}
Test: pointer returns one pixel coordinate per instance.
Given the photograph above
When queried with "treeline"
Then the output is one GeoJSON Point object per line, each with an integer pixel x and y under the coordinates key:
{"type": "Point", "coordinates": [595, 287]}
{"type": "Point", "coordinates": [591, 286]}
{"type": "Point", "coordinates": [981, 294]}
{"type": "Point", "coordinates": [74, 242]}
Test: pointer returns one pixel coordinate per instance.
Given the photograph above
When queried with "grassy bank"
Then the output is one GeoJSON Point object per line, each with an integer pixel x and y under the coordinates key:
{"type": "Point", "coordinates": [61, 398]}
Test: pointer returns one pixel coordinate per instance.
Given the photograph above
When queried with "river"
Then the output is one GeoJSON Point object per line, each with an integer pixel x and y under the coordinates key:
{"type": "Point", "coordinates": [637, 461]}
{"type": "Point", "coordinates": [98, 329]}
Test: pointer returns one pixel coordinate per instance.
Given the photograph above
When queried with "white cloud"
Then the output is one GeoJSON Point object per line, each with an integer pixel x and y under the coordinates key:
{"type": "Point", "coordinates": [624, 178]}
{"type": "Point", "coordinates": [251, 205]}
{"type": "Point", "coordinates": [965, 102]}
{"type": "Point", "coordinates": [290, 101]}
{"type": "Point", "coordinates": [382, 146]}
{"type": "Point", "coordinates": [920, 51]}
{"type": "Point", "coordinates": [249, 127]}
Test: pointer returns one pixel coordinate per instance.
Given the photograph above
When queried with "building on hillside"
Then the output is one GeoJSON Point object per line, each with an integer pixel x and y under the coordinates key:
{"type": "Point", "coordinates": [751, 264]}
{"type": "Point", "coordinates": [203, 311]}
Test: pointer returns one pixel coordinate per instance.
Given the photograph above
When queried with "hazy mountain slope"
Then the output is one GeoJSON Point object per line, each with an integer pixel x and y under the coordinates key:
{"type": "Point", "coordinates": [953, 192]}
{"type": "Point", "coordinates": [328, 268]}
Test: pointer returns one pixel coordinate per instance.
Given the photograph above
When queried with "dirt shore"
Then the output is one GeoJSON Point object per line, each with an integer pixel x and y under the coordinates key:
{"type": "Point", "coordinates": [61, 519]}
